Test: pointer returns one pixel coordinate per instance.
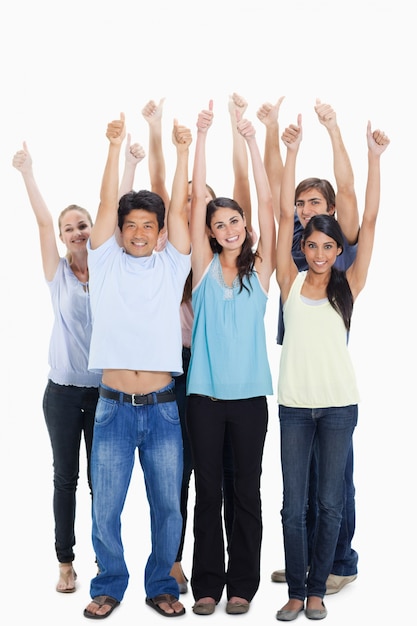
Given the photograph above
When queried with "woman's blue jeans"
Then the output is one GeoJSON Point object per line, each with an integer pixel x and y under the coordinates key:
{"type": "Point", "coordinates": [69, 415]}
{"type": "Point", "coordinates": [327, 433]}
{"type": "Point", "coordinates": [120, 428]}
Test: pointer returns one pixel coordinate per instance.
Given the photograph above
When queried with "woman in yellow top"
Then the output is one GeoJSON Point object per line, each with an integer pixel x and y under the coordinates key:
{"type": "Point", "coordinates": [317, 392]}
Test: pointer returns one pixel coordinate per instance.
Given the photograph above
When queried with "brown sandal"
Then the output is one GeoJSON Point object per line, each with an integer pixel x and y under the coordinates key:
{"type": "Point", "coordinates": [101, 601]}
{"type": "Point", "coordinates": [164, 597]}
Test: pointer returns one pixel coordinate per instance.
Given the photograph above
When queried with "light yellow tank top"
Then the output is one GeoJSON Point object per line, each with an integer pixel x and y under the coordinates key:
{"type": "Point", "coordinates": [315, 368]}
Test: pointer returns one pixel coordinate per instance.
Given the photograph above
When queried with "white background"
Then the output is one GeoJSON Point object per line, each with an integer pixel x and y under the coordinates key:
{"type": "Point", "coordinates": [69, 68]}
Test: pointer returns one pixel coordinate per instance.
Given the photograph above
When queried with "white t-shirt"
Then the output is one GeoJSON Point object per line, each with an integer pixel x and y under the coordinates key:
{"type": "Point", "coordinates": [135, 304]}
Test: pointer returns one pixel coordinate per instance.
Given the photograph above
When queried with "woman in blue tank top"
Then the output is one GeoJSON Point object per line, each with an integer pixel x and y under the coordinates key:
{"type": "Point", "coordinates": [228, 379]}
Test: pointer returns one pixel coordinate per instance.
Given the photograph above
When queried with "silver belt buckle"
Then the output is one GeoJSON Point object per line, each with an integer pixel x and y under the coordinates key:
{"type": "Point", "coordinates": [134, 403]}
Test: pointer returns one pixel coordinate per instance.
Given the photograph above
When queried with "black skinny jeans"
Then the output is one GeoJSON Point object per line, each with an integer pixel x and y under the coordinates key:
{"type": "Point", "coordinates": [69, 414]}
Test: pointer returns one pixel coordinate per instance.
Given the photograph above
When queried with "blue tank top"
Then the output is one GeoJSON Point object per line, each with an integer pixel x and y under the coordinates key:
{"type": "Point", "coordinates": [229, 358]}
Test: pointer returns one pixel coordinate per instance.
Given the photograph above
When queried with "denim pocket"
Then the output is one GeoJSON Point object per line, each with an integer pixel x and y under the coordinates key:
{"type": "Point", "coordinates": [105, 412]}
{"type": "Point", "coordinates": [169, 411]}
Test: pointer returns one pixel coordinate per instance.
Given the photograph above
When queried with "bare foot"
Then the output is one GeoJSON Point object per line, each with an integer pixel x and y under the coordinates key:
{"type": "Point", "coordinates": [315, 603]}
{"type": "Point", "coordinates": [206, 600]}
{"type": "Point", "coordinates": [101, 606]}
{"type": "Point", "coordinates": [166, 604]}
{"type": "Point", "coordinates": [67, 578]}
{"type": "Point", "coordinates": [171, 607]}
{"type": "Point", "coordinates": [238, 600]}
{"type": "Point", "coordinates": [292, 605]}
{"type": "Point", "coordinates": [177, 573]}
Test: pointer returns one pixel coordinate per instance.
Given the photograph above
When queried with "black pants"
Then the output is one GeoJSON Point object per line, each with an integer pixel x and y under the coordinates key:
{"type": "Point", "coordinates": [182, 401]}
{"type": "Point", "coordinates": [246, 423]}
{"type": "Point", "coordinates": [69, 414]}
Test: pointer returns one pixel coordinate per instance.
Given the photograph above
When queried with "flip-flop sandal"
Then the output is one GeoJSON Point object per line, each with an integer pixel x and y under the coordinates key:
{"type": "Point", "coordinates": [101, 601]}
{"type": "Point", "coordinates": [67, 589]}
{"type": "Point", "coordinates": [164, 597]}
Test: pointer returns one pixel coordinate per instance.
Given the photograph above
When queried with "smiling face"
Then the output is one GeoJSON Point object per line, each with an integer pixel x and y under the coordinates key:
{"type": "Point", "coordinates": [140, 232]}
{"type": "Point", "coordinates": [74, 230]}
{"type": "Point", "coordinates": [311, 202]}
{"type": "Point", "coordinates": [320, 251]}
{"type": "Point", "coordinates": [228, 227]}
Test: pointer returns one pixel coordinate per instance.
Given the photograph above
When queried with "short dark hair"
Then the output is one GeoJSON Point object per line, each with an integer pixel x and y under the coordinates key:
{"type": "Point", "coordinates": [145, 200]}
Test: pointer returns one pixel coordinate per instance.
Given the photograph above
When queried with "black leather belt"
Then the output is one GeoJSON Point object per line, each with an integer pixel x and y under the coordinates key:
{"type": "Point", "coordinates": [138, 399]}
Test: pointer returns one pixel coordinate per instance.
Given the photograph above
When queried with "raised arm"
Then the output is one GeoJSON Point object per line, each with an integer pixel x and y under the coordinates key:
{"type": "Point", "coordinates": [106, 220]}
{"type": "Point", "coordinates": [134, 154]}
{"type": "Point", "coordinates": [265, 263]}
{"type": "Point", "coordinates": [346, 202]}
{"type": "Point", "coordinates": [152, 113]}
{"type": "Point", "coordinates": [201, 251]}
{"type": "Point", "coordinates": [241, 186]}
{"type": "Point", "coordinates": [268, 115]}
{"type": "Point", "coordinates": [178, 227]}
{"type": "Point", "coordinates": [286, 269]}
{"type": "Point", "coordinates": [22, 161]}
{"type": "Point", "coordinates": [358, 271]}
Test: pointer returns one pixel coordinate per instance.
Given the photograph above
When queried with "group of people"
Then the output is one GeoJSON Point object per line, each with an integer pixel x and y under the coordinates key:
{"type": "Point", "coordinates": [183, 376]}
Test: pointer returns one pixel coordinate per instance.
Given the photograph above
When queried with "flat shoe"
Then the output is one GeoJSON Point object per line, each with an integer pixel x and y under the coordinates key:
{"type": "Point", "coordinates": [204, 608]}
{"type": "Point", "coordinates": [335, 583]}
{"type": "Point", "coordinates": [164, 597]}
{"type": "Point", "coordinates": [183, 587]}
{"type": "Point", "coordinates": [316, 613]}
{"type": "Point", "coordinates": [236, 608]}
{"type": "Point", "coordinates": [278, 576]}
{"type": "Point", "coordinates": [288, 616]}
{"type": "Point", "coordinates": [101, 601]}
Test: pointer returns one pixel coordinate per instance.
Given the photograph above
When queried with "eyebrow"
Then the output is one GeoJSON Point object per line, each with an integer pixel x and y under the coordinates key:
{"type": "Point", "coordinates": [309, 199]}
{"type": "Point", "coordinates": [325, 243]}
{"type": "Point", "coordinates": [78, 223]}
{"type": "Point", "coordinates": [223, 222]}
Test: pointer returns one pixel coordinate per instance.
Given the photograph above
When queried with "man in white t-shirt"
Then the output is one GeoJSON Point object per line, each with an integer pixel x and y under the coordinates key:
{"type": "Point", "coordinates": [135, 300]}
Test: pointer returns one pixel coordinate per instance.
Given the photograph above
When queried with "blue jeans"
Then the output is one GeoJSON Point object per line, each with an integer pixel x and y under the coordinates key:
{"type": "Point", "coordinates": [69, 416]}
{"type": "Point", "coordinates": [120, 428]}
{"type": "Point", "coordinates": [345, 561]}
{"type": "Point", "coordinates": [327, 433]}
